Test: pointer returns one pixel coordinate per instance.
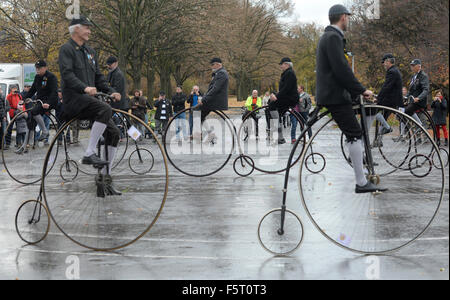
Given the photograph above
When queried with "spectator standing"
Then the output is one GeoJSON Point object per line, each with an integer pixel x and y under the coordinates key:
{"type": "Point", "coordinates": [4, 109]}
{"type": "Point", "coordinates": [305, 107]}
{"type": "Point", "coordinates": [253, 103]}
{"type": "Point", "coordinates": [138, 106]}
{"type": "Point", "coordinates": [163, 113]}
{"type": "Point", "coordinates": [439, 106]}
{"type": "Point", "coordinates": [179, 104]}
{"type": "Point", "coordinates": [13, 100]}
{"type": "Point", "coordinates": [194, 99]}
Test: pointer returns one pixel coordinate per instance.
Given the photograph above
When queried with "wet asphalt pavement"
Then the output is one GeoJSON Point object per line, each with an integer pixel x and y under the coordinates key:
{"type": "Point", "coordinates": [208, 230]}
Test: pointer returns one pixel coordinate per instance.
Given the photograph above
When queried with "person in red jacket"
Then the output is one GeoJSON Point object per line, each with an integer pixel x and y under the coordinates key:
{"type": "Point", "coordinates": [13, 99]}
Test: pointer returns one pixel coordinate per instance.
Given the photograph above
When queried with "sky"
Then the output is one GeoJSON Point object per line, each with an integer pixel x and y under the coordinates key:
{"type": "Point", "coordinates": [307, 11]}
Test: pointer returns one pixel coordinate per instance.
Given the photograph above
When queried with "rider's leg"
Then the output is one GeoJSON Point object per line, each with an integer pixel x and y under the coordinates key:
{"type": "Point", "coordinates": [101, 113]}
{"type": "Point", "coordinates": [345, 117]}
{"type": "Point", "coordinates": [385, 125]}
{"type": "Point", "coordinates": [37, 113]}
{"type": "Point", "coordinates": [112, 138]}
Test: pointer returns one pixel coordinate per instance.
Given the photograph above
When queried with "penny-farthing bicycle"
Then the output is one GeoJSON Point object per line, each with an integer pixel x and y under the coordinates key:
{"type": "Point", "coordinates": [83, 208]}
{"type": "Point", "coordinates": [377, 223]}
{"type": "Point", "coordinates": [196, 148]}
{"type": "Point", "coordinates": [405, 141]}
{"type": "Point", "coordinates": [201, 149]}
{"type": "Point", "coordinates": [264, 154]}
{"type": "Point", "coordinates": [24, 159]}
{"type": "Point", "coordinates": [122, 122]}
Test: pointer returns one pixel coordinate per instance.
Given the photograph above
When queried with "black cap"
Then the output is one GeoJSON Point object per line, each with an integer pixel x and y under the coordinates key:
{"type": "Point", "coordinates": [111, 60]}
{"type": "Point", "coordinates": [81, 21]}
{"type": "Point", "coordinates": [215, 60]}
{"type": "Point", "coordinates": [40, 64]}
{"type": "Point", "coordinates": [416, 62]}
{"type": "Point", "coordinates": [162, 93]}
{"type": "Point", "coordinates": [387, 56]}
{"type": "Point", "coordinates": [338, 9]}
{"type": "Point", "coordinates": [284, 60]}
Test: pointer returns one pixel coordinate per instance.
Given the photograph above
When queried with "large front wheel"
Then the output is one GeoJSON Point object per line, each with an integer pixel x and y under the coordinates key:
{"type": "Point", "coordinates": [196, 147]}
{"type": "Point", "coordinates": [106, 221]}
{"type": "Point", "coordinates": [376, 223]}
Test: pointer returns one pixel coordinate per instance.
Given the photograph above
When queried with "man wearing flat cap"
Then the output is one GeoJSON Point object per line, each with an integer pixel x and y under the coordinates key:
{"type": "Point", "coordinates": [45, 87]}
{"type": "Point", "coordinates": [419, 88]}
{"type": "Point", "coordinates": [337, 86]}
{"type": "Point", "coordinates": [391, 94]}
{"type": "Point", "coordinates": [287, 96]}
{"type": "Point", "coordinates": [216, 98]}
{"type": "Point", "coordinates": [81, 80]}
{"type": "Point", "coordinates": [117, 81]}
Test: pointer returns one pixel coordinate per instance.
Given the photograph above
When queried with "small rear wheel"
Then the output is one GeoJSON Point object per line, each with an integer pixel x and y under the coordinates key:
{"type": "Point", "coordinates": [32, 222]}
{"type": "Point", "coordinates": [277, 239]}
{"type": "Point", "coordinates": [244, 166]}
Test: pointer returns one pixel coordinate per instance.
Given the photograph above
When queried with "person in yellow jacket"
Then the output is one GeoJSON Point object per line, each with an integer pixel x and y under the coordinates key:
{"type": "Point", "coordinates": [253, 103]}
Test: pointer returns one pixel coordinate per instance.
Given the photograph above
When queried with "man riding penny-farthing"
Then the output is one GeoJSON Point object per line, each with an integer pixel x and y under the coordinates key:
{"type": "Point", "coordinates": [212, 143]}
{"type": "Point", "coordinates": [366, 217]}
{"type": "Point", "coordinates": [91, 210]}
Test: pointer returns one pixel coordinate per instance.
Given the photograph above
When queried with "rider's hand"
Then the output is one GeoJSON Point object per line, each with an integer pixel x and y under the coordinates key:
{"type": "Point", "coordinates": [368, 94]}
{"type": "Point", "coordinates": [416, 100]}
{"type": "Point", "coordinates": [91, 91]}
{"type": "Point", "coordinates": [116, 96]}
{"type": "Point", "coordinates": [273, 97]}
{"type": "Point", "coordinates": [45, 106]}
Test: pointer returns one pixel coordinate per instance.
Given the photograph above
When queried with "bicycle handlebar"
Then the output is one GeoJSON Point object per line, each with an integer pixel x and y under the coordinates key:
{"type": "Point", "coordinates": [29, 100]}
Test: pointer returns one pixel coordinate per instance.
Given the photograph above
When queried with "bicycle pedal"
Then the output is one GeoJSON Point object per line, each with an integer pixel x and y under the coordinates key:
{"type": "Point", "coordinates": [377, 193]}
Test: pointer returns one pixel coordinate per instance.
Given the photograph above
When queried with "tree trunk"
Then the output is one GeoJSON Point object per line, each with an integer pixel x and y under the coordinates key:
{"type": "Point", "coordinates": [150, 84]}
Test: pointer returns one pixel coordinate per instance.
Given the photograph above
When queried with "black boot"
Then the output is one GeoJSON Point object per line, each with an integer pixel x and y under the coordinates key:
{"type": "Point", "coordinates": [446, 143]}
{"type": "Point", "coordinates": [95, 161]}
{"type": "Point", "coordinates": [99, 181]}
{"type": "Point", "coordinates": [369, 188]}
{"type": "Point", "coordinates": [110, 190]}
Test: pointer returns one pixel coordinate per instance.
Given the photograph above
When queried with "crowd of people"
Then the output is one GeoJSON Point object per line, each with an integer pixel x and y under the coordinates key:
{"type": "Point", "coordinates": [81, 79]}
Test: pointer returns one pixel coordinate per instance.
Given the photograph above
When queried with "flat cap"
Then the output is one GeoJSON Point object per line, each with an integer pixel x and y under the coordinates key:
{"type": "Point", "coordinates": [387, 56]}
{"type": "Point", "coordinates": [41, 63]}
{"type": "Point", "coordinates": [81, 21]}
{"type": "Point", "coordinates": [338, 9]}
{"type": "Point", "coordinates": [215, 60]}
{"type": "Point", "coordinates": [285, 60]}
{"type": "Point", "coordinates": [111, 60]}
{"type": "Point", "coordinates": [416, 62]}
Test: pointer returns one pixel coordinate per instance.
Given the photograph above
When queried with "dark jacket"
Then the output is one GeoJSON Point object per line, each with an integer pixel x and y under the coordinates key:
{"type": "Point", "coordinates": [21, 122]}
{"type": "Point", "coordinates": [79, 69]}
{"type": "Point", "coordinates": [179, 102]}
{"type": "Point", "coordinates": [420, 88]}
{"type": "Point", "coordinates": [3, 109]}
{"type": "Point", "coordinates": [336, 83]}
{"type": "Point", "coordinates": [391, 94]}
{"type": "Point", "coordinates": [288, 94]}
{"type": "Point", "coordinates": [217, 96]}
{"type": "Point", "coordinates": [117, 81]}
{"type": "Point", "coordinates": [440, 112]}
{"type": "Point", "coordinates": [305, 103]}
{"type": "Point", "coordinates": [141, 107]}
{"type": "Point", "coordinates": [159, 109]}
{"type": "Point", "coordinates": [46, 89]}
{"type": "Point", "coordinates": [191, 98]}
